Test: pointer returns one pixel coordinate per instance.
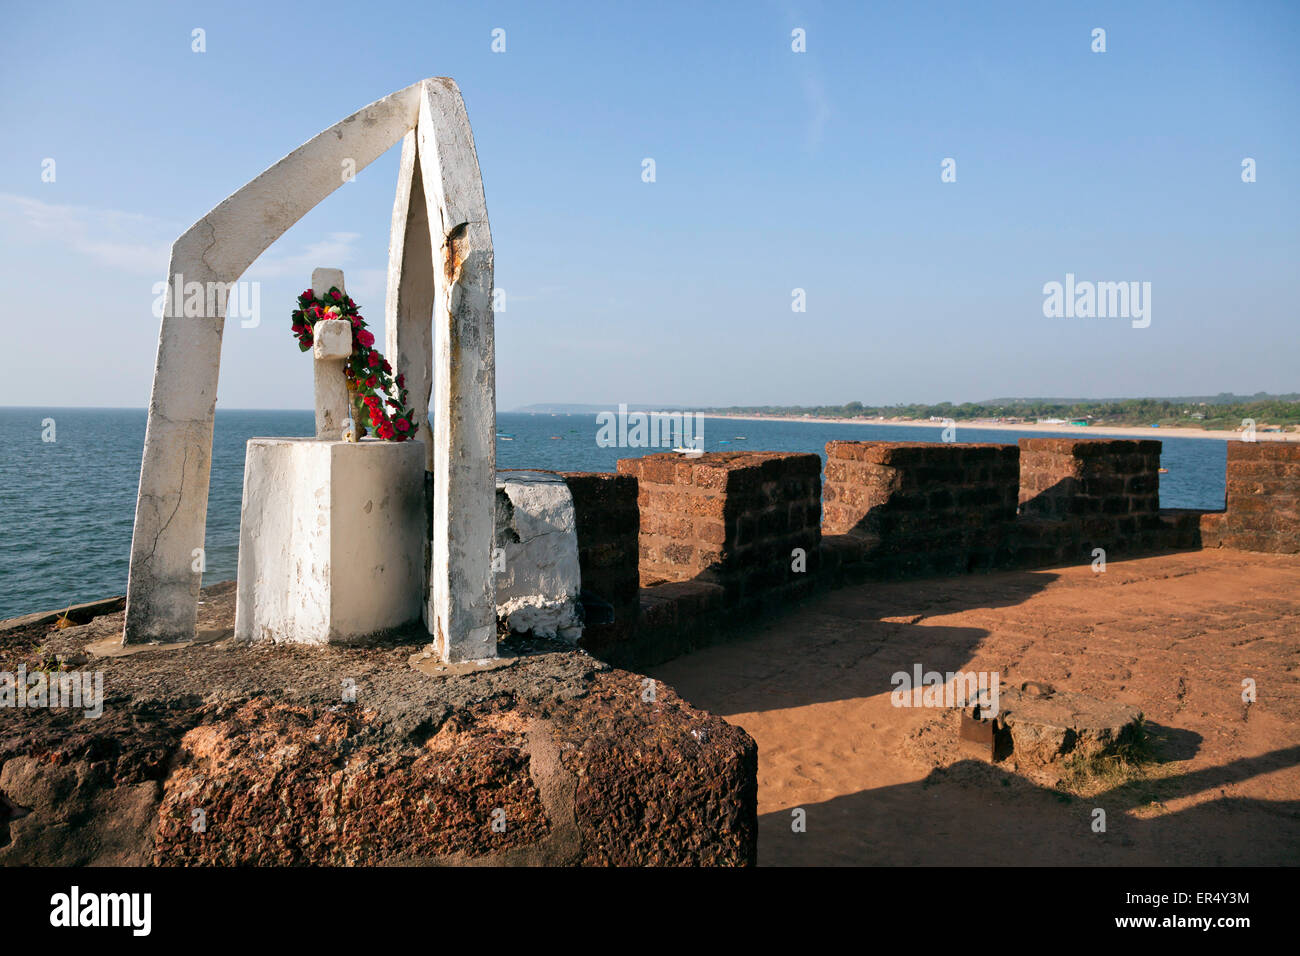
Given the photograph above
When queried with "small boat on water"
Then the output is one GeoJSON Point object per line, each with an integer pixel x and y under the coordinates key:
{"type": "Point", "coordinates": [740, 438]}
{"type": "Point", "coordinates": [504, 437]}
{"type": "Point", "coordinates": [1163, 471]}
{"type": "Point", "coordinates": [556, 438]}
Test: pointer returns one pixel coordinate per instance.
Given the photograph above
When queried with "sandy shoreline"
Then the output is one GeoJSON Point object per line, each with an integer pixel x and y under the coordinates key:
{"type": "Point", "coordinates": [1128, 431]}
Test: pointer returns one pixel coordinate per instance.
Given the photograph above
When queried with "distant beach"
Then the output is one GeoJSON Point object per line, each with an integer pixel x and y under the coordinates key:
{"type": "Point", "coordinates": [1127, 431]}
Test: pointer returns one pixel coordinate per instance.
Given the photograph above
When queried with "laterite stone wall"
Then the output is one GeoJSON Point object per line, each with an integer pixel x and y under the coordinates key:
{"type": "Point", "coordinates": [729, 518]}
{"type": "Point", "coordinates": [1080, 494]}
{"type": "Point", "coordinates": [923, 507]}
{"type": "Point", "coordinates": [1263, 500]}
{"type": "Point", "coordinates": [609, 525]}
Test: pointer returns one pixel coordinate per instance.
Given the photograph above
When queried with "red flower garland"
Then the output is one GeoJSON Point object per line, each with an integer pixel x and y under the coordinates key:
{"type": "Point", "coordinates": [371, 385]}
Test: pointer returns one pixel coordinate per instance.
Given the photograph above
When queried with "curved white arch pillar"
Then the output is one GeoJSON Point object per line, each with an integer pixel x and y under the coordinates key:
{"type": "Point", "coordinates": [171, 508]}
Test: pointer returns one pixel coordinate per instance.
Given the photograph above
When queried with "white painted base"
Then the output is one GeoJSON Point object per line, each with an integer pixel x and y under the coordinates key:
{"type": "Point", "coordinates": [536, 530]}
{"type": "Point", "coordinates": [331, 539]}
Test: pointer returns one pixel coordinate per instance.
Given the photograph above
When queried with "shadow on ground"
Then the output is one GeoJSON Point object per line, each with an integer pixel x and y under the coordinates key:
{"type": "Point", "coordinates": [971, 813]}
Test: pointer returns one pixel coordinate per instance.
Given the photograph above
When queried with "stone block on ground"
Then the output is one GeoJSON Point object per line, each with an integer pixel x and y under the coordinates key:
{"type": "Point", "coordinates": [1047, 727]}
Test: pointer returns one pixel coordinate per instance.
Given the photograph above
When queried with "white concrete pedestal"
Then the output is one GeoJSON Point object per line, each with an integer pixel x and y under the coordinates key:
{"type": "Point", "coordinates": [331, 539]}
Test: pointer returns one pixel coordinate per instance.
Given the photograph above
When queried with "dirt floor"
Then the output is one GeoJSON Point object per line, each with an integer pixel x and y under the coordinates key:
{"type": "Point", "coordinates": [1173, 635]}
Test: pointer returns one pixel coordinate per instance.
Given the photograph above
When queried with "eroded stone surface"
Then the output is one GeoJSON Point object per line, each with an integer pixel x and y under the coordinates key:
{"type": "Point", "coordinates": [1046, 727]}
{"type": "Point", "coordinates": [288, 771]}
{"type": "Point", "coordinates": [538, 581]}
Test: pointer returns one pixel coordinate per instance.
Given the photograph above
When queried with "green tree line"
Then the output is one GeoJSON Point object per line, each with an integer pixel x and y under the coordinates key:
{"type": "Point", "coordinates": [1212, 412]}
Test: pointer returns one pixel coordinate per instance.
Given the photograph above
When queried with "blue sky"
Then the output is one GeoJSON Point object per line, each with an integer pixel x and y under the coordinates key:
{"type": "Point", "coordinates": [775, 170]}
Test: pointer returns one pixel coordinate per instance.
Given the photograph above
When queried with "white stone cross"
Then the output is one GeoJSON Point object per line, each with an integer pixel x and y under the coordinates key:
{"type": "Point", "coordinates": [332, 347]}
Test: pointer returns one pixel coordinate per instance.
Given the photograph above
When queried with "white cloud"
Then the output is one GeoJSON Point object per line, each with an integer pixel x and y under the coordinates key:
{"type": "Point", "coordinates": [140, 245]}
{"type": "Point", "coordinates": [127, 241]}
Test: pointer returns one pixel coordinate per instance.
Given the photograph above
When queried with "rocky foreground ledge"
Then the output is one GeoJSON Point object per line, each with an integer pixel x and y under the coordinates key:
{"type": "Point", "coordinates": [230, 754]}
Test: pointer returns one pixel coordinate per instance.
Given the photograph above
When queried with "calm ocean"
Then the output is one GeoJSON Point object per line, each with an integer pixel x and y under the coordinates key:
{"type": "Point", "coordinates": [66, 507]}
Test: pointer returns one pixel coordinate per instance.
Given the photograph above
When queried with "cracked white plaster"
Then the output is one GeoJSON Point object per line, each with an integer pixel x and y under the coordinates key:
{"type": "Point", "coordinates": [538, 581]}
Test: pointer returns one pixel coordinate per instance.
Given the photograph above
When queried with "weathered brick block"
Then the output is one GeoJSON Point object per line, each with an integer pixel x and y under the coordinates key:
{"type": "Point", "coordinates": [925, 507]}
{"type": "Point", "coordinates": [725, 516]}
{"type": "Point", "coordinates": [1263, 499]}
{"type": "Point", "coordinates": [1071, 478]}
{"type": "Point", "coordinates": [938, 479]}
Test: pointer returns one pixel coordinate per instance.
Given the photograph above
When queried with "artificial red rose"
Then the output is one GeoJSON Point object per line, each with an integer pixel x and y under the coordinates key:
{"type": "Point", "coordinates": [372, 359]}
{"type": "Point", "coordinates": [388, 369]}
{"type": "Point", "coordinates": [365, 338]}
{"type": "Point", "coordinates": [401, 381]}
{"type": "Point", "coordinates": [402, 424]}
{"type": "Point", "coordinates": [335, 295]}
{"type": "Point", "coordinates": [371, 381]}
{"type": "Point", "coordinates": [308, 294]}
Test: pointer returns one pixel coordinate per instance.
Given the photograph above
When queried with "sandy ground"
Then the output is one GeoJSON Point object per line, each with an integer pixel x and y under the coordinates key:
{"type": "Point", "coordinates": [1130, 431]}
{"type": "Point", "coordinates": [1173, 635]}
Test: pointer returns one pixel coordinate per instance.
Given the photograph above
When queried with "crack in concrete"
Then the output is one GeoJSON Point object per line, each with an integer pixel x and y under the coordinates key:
{"type": "Point", "coordinates": [179, 495]}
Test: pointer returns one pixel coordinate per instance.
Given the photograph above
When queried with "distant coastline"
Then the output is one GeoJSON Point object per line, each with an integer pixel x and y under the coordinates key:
{"type": "Point", "coordinates": [1050, 428]}
{"type": "Point", "coordinates": [1127, 431]}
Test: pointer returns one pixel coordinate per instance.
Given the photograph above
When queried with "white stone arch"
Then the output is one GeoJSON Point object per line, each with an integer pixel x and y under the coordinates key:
{"type": "Point", "coordinates": [440, 265]}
